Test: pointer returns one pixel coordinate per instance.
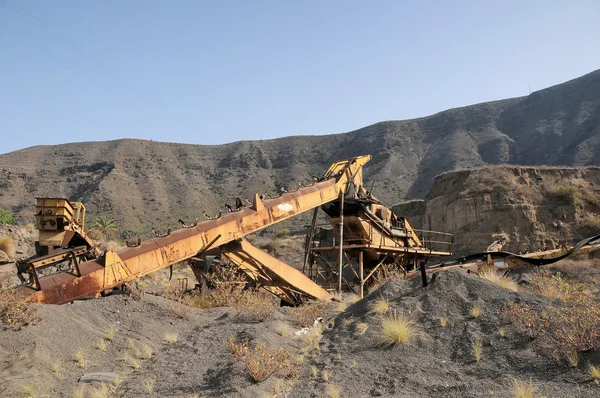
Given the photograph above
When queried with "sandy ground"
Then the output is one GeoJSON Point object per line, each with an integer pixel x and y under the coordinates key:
{"type": "Point", "coordinates": [441, 364]}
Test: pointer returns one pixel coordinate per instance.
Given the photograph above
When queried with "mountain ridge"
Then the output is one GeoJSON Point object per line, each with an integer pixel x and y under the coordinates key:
{"type": "Point", "coordinates": [556, 126]}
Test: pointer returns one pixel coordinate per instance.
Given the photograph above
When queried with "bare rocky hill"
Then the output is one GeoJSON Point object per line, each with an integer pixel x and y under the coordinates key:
{"type": "Point", "coordinates": [147, 183]}
{"type": "Point", "coordinates": [532, 207]}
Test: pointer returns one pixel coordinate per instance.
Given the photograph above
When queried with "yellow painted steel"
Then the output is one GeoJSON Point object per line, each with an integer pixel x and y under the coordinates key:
{"type": "Point", "coordinates": [272, 274]}
{"type": "Point", "coordinates": [117, 268]}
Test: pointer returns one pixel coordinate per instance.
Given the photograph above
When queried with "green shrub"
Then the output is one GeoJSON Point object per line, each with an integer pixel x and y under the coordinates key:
{"type": "Point", "coordinates": [568, 193]}
{"type": "Point", "coordinates": [7, 217]}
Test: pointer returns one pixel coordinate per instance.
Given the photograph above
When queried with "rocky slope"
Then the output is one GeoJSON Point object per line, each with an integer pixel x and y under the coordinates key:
{"type": "Point", "coordinates": [146, 183]}
{"type": "Point", "coordinates": [532, 207]}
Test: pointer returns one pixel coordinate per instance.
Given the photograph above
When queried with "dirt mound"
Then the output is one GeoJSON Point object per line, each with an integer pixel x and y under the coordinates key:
{"type": "Point", "coordinates": [442, 363]}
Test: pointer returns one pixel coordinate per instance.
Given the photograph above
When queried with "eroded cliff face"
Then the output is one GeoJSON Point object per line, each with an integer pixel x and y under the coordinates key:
{"type": "Point", "coordinates": [533, 207]}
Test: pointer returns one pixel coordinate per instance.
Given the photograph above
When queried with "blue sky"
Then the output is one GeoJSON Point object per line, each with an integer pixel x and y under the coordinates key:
{"type": "Point", "coordinates": [211, 72]}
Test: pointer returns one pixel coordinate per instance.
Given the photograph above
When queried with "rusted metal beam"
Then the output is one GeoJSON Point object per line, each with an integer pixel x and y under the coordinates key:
{"type": "Point", "coordinates": [117, 268]}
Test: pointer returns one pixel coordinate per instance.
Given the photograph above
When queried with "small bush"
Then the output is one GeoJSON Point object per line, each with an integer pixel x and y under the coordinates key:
{"type": "Point", "coordinates": [56, 367]}
{"type": "Point", "coordinates": [385, 274]}
{"type": "Point", "coordinates": [443, 321]}
{"type": "Point", "coordinates": [325, 375]}
{"type": "Point", "coordinates": [476, 311]}
{"type": "Point", "coordinates": [15, 310]}
{"type": "Point", "coordinates": [313, 371]}
{"type": "Point", "coordinates": [180, 309]}
{"type": "Point", "coordinates": [255, 305]}
{"type": "Point", "coordinates": [305, 314]}
{"type": "Point", "coordinates": [7, 245]}
{"type": "Point", "coordinates": [258, 361]}
{"type": "Point", "coordinates": [7, 217]}
{"type": "Point", "coordinates": [398, 330]}
{"type": "Point", "coordinates": [522, 389]}
{"type": "Point", "coordinates": [501, 332]}
{"type": "Point", "coordinates": [501, 280]}
{"type": "Point", "coordinates": [568, 193]}
{"type": "Point", "coordinates": [380, 306]}
{"type": "Point", "coordinates": [552, 286]}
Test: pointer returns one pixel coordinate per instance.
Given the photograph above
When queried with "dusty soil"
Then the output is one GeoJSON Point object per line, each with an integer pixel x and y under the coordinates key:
{"type": "Point", "coordinates": [440, 364]}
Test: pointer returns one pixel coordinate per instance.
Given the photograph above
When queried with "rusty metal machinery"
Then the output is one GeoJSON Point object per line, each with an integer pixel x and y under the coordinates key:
{"type": "Point", "coordinates": [116, 268]}
{"type": "Point", "coordinates": [362, 236]}
{"type": "Point", "coordinates": [62, 243]}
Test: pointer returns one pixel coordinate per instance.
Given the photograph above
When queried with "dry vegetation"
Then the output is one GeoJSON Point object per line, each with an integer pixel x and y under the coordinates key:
{"type": "Point", "coordinates": [260, 362]}
{"type": "Point", "coordinates": [305, 314]}
{"type": "Point", "coordinates": [398, 329]}
{"type": "Point", "coordinates": [571, 324]}
{"type": "Point", "coordinates": [15, 311]}
{"type": "Point", "coordinates": [380, 306]}
{"type": "Point", "coordinates": [499, 279]}
{"type": "Point", "coordinates": [7, 245]}
{"type": "Point", "coordinates": [522, 389]}
{"type": "Point", "coordinates": [386, 273]}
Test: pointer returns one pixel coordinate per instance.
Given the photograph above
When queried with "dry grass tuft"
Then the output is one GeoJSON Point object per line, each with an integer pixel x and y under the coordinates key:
{"type": "Point", "coordinates": [325, 375]}
{"type": "Point", "coordinates": [101, 345]}
{"type": "Point", "coordinates": [132, 361]}
{"type": "Point", "coordinates": [313, 371]}
{"type": "Point", "coordinates": [522, 389]}
{"type": "Point", "coordinates": [443, 321]}
{"type": "Point", "coordinates": [477, 347]}
{"type": "Point", "coordinates": [80, 358]}
{"type": "Point", "coordinates": [361, 328]}
{"type": "Point", "coordinates": [283, 329]}
{"type": "Point", "coordinates": [79, 392]}
{"type": "Point", "coordinates": [573, 358]}
{"type": "Point", "coordinates": [7, 245]}
{"type": "Point", "coordinates": [171, 337]}
{"type": "Point", "coordinates": [56, 367]}
{"type": "Point", "coordinates": [147, 351]}
{"type": "Point", "coordinates": [149, 385]}
{"type": "Point", "coordinates": [110, 333]}
{"type": "Point", "coordinates": [102, 391]}
{"type": "Point", "coordinates": [501, 332]}
{"type": "Point", "coordinates": [333, 391]}
{"type": "Point", "coordinates": [380, 306]}
{"type": "Point", "coordinates": [594, 372]}
{"type": "Point", "coordinates": [501, 280]}
{"type": "Point", "coordinates": [398, 330]}
{"type": "Point", "coordinates": [29, 390]}
{"type": "Point", "coordinates": [476, 310]}
{"type": "Point", "coordinates": [260, 362]}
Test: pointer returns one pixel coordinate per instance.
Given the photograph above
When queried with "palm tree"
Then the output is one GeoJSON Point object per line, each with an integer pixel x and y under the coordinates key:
{"type": "Point", "coordinates": [107, 226]}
